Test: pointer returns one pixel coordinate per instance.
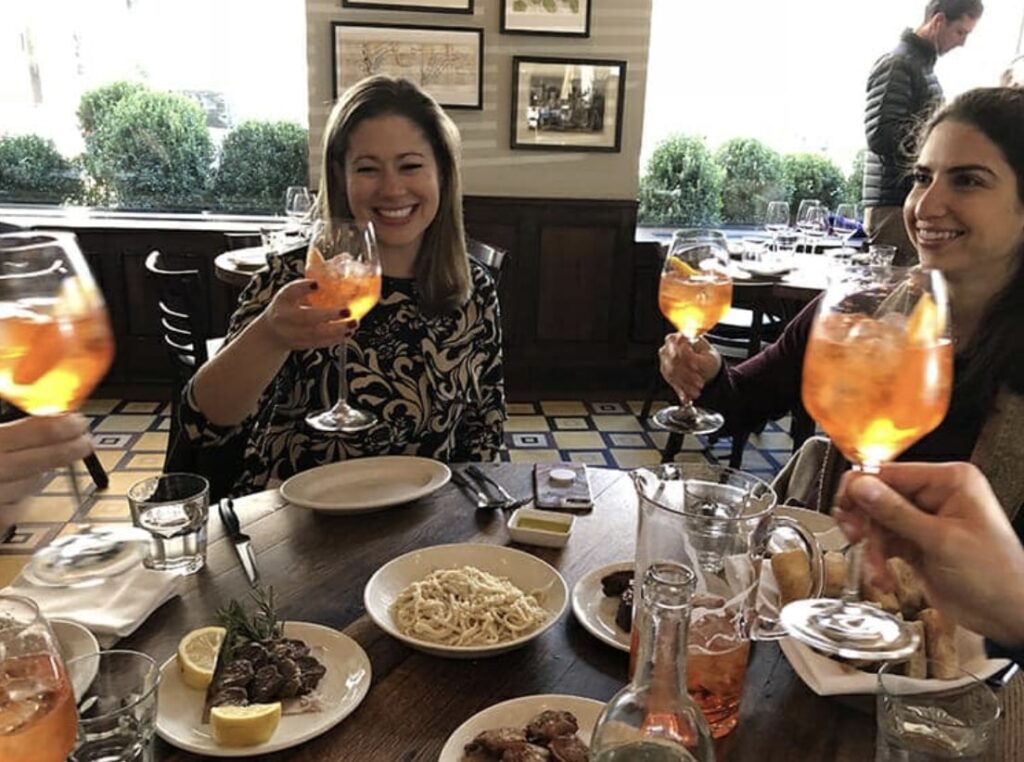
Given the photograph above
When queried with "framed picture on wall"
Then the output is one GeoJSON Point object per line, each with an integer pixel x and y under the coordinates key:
{"type": "Point", "coordinates": [564, 18]}
{"type": "Point", "coordinates": [447, 62]}
{"type": "Point", "coordinates": [567, 104]}
{"type": "Point", "coordinates": [437, 6]}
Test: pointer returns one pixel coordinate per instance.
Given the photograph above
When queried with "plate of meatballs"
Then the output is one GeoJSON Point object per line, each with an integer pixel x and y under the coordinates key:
{"type": "Point", "coordinates": [319, 674]}
{"type": "Point", "coordinates": [548, 728]}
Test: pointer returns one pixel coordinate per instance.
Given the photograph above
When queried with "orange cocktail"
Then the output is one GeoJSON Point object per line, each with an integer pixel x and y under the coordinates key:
{"type": "Point", "coordinates": [875, 386]}
{"type": "Point", "coordinates": [694, 303]}
{"type": "Point", "coordinates": [52, 357]}
{"type": "Point", "coordinates": [38, 719]}
{"type": "Point", "coordinates": [343, 283]}
{"type": "Point", "coordinates": [714, 679]}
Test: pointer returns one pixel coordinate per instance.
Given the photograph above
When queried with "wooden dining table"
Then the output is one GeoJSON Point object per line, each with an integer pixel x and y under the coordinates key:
{"type": "Point", "coordinates": [318, 565]}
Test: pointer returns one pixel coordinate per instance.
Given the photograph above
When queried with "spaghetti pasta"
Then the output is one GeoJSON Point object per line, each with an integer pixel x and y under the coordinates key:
{"type": "Point", "coordinates": [466, 607]}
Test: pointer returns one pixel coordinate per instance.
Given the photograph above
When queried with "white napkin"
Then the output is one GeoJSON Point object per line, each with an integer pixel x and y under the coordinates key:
{"type": "Point", "coordinates": [110, 610]}
{"type": "Point", "coordinates": [828, 677]}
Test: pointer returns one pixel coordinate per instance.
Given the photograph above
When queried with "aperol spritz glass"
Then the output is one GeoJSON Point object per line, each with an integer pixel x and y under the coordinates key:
{"type": "Point", "coordinates": [694, 294]}
{"type": "Point", "coordinates": [38, 720]}
{"type": "Point", "coordinates": [878, 374]}
{"type": "Point", "coordinates": [343, 260]}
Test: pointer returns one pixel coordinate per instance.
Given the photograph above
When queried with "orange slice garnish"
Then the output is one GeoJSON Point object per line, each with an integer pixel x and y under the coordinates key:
{"type": "Point", "coordinates": [926, 324]}
{"type": "Point", "coordinates": [680, 267]}
{"type": "Point", "coordinates": [314, 261]}
{"type": "Point", "coordinates": [45, 350]}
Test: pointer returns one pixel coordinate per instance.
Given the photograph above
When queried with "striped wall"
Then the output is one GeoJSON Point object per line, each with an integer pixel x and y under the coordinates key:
{"type": "Point", "coordinates": [620, 30]}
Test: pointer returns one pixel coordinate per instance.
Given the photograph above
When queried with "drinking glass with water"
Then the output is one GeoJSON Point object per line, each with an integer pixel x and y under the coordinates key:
{"type": "Point", "coordinates": [173, 508]}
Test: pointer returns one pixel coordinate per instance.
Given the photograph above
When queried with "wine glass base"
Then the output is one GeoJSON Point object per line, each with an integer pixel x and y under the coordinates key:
{"type": "Point", "coordinates": [687, 420]}
{"type": "Point", "coordinates": [848, 629]}
{"type": "Point", "coordinates": [342, 419]}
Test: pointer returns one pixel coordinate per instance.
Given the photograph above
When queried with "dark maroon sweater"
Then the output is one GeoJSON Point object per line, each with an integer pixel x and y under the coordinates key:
{"type": "Point", "coordinates": [767, 386]}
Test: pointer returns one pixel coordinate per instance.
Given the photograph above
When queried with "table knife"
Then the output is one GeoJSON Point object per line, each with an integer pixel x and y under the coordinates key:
{"type": "Point", "coordinates": [243, 546]}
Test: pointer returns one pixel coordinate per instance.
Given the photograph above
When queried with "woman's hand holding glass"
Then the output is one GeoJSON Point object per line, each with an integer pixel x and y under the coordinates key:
{"type": "Point", "coordinates": [944, 520]}
{"type": "Point", "coordinates": [295, 325]}
{"type": "Point", "coordinates": [30, 447]}
{"type": "Point", "coordinates": [687, 366]}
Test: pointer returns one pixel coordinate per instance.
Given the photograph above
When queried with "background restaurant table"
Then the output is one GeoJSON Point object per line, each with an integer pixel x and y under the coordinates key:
{"type": "Point", "coordinates": [318, 565]}
{"type": "Point", "coordinates": [226, 269]}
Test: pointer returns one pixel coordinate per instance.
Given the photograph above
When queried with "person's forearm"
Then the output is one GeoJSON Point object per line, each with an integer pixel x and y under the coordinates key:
{"type": "Point", "coordinates": [228, 387]}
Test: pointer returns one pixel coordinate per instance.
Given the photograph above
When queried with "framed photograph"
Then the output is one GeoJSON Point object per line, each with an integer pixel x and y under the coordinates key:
{"type": "Point", "coordinates": [566, 104]}
{"type": "Point", "coordinates": [436, 6]}
{"type": "Point", "coordinates": [447, 62]}
{"type": "Point", "coordinates": [564, 18]}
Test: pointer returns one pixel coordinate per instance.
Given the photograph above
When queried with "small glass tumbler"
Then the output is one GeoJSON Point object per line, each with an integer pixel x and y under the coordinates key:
{"type": "Point", "coordinates": [881, 256]}
{"type": "Point", "coordinates": [173, 509]}
{"type": "Point", "coordinates": [933, 720]}
{"type": "Point", "coordinates": [116, 693]}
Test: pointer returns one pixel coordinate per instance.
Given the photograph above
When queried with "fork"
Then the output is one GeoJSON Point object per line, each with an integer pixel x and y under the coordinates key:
{"type": "Point", "coordinates": [482, 481]}
{"type": "Point", "coordinates": [480, 497]}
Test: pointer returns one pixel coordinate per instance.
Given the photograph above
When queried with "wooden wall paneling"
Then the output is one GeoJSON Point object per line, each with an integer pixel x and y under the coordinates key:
{"type": "Point", "coordinates": [574, 288]}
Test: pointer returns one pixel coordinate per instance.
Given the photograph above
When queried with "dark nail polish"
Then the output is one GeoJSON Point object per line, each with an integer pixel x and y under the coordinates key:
{"type": "Point", "coordinates": [345, 313]}
{"type": "Point", "coordinates": [314, 286]}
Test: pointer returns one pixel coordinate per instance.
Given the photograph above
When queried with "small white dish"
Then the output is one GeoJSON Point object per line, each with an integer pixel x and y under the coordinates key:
{"type": "Point", "coordinates": [596, 611]}
{"type": "Point", "coordinates": [363, 485]}
{"type": "Point", "coordinates": [518, 712]}
{"type": "Point", "coordinates": [529, 573]}
{"type": "Point", "coordinates": [532, 526]}
{"type": "Point", "coordinates": [75, 641]}
{"type": "Point", "coordinates": [343, 687]}
{"type": "Point", "coordinates": [821, 525]}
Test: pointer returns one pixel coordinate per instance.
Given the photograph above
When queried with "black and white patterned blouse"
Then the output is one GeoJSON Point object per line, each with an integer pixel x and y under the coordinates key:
{"type": "Point", "coordinates": [435, 384]}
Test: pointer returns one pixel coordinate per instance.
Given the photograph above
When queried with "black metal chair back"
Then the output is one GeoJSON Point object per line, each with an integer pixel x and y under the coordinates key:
{"type": "Point", "coordinates": [491, 257]}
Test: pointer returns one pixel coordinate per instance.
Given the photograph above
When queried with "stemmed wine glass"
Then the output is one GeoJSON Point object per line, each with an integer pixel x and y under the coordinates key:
{"type": "Point", "coordinates": [694, 294]}
{"type": "Point", "coordinates": [297, 201]}
{"type": "Point", "coordinates": [776, 218]}
{"type": "Point", "coordinates": [55, 338]}
{"type": "Point", "coordinates": [877, 377]}
{"type": "Point", "coordinates": [39, 718]}
{"type": "Point", "coordinates": [344, 262]}
{"type": "Point", "coordinates": [845, 223]}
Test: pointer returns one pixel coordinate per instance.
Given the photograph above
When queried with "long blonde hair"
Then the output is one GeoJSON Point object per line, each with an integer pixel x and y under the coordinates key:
{"type": "Point", "coordinates": [442, 266]}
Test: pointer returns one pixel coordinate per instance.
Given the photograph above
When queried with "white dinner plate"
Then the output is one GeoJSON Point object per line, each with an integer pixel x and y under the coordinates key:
{"type": "Point", "coordinates": [766, 269]}
{"type": "Point", "coordinates": [249, 259]}
{"type": "Point", "coordinates": [363, 485]}
{"type": "Point", "coordinates": [342, 688]}
{"type": "Point", "coordinates": [518, 712]}
{"type": "Point", "coordinates": [596, 611]}
{"type": "Point", "coordinates": [527, 572]}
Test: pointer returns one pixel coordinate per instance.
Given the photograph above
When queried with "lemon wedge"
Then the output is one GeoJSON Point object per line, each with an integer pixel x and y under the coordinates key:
{"type": "Point", "coordinates": [679, 266]}
{"type": "Point", "coordinates": [925, 325]}
{"type": "Point", "coordinates": [197, 656]}
{"type": "Point", "coordinates": [244, 725]}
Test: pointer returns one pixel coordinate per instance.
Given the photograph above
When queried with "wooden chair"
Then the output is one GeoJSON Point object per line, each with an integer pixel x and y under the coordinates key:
{"type": "Point", "coordinates": [185, 323]}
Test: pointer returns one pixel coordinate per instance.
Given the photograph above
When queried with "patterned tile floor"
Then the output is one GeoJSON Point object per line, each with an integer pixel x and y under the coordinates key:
{"type": "Point", "coordinates": [131, 438]}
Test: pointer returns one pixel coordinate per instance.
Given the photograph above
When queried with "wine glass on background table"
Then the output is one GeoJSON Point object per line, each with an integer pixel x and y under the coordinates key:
{"type": "Point", "coordinates": [297, 201]}
{"type": "Point", "coordinates": [877, 377]}
{"type": "Point", "coordinates": [38, 720]}
{"type": "Point", "coordinates": [55, 338]}
{"type": "Point", "coordinates": [845, 223]}
{"type": "Point", "coordinates": [694, 294]}
{"type": "Point", "coordinates": [344, 262]}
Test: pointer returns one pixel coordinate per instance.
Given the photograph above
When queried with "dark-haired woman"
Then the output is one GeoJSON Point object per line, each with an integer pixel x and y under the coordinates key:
{"type": "Point", "coordinates": [965, 216]}
{"type": "Point", "coordinates": [426, 360]}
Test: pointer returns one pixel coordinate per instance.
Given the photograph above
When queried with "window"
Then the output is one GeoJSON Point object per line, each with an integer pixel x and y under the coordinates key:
{"type": "Point", "coordinates": [166, 105]}
{"type": "Point", "coordinates": [790, 74]}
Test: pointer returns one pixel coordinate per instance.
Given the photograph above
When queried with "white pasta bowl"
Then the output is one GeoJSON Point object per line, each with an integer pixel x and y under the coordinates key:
{"type": "Point", "coordinates": [527, 572]}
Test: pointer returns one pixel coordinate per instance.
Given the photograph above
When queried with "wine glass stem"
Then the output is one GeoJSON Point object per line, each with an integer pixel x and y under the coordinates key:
{"type": "Point", "coordinates": [342, 378]}
{"type": "Point", "coordinates": [855, 558]}
{"type": "Point", "coordinates": [75, 491]}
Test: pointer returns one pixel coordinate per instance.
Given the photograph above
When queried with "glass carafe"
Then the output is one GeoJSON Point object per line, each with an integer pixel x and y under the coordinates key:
{"type": "Point", "coordinates": [653, 719]}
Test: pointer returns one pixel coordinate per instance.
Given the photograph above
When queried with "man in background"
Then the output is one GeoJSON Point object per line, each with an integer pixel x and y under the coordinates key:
{"type": "Point", "coordinates": [902, 92]}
